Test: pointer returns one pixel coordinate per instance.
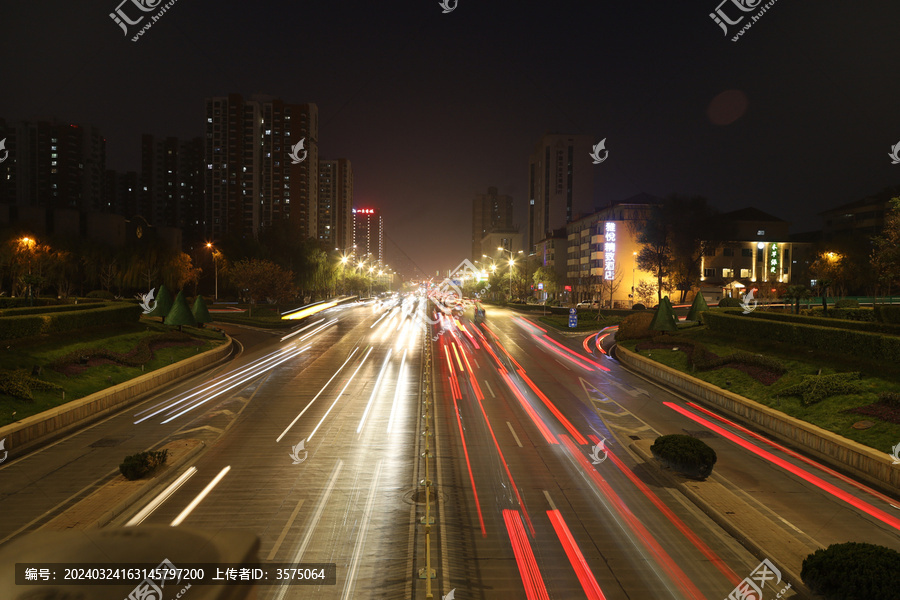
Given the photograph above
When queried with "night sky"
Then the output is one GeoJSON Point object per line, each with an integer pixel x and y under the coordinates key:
{"type": "Point", "coordinates": [433, 108]}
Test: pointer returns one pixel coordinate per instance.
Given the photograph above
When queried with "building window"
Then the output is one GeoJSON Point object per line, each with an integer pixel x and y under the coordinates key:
{"type": "Point", "coordinates": [709, 272]}
{"type": "Point", "coordinates": [747, 252]}
{"type": "Point", "coordinates": [727, 251]}
{"type": "Point", "coordinates": [745, 273]}
{"type": "Point", "coordinates": [709, 252]}
{"type": "Point", "coordinates": [760, 232]}
{"type": "Point", "coordinates": [727, 272]}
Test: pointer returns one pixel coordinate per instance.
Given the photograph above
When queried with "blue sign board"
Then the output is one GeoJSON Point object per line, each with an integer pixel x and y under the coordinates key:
{"type": "Point", "coordinates": [573, 318]}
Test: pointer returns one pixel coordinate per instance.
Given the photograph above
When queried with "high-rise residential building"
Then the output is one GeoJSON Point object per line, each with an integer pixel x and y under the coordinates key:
{"type": "Point", "coordinates": [121, 193]}
{"type": "Point", "coordinates": [335, 220]}
{"type": "Point", "coordinates": [54, 165]}
{"type": "Point", "coordinates": [368, 235]}
{"type": "Point", "coordinates": [171, 189]}
{"type": "Point", "coordinates": [252, 178]}
{"type": "Point", "coordinates": [491, 213]}
{"type": "Point", "coordinates": [560, 183]}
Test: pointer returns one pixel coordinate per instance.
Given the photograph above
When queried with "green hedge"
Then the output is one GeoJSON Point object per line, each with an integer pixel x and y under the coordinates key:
{"type": "Point", "coordinates": [853, 570]}
{"type": "Point", "coordinates": [861, 344]}
{"type": "Point", "coordinates": [142, 463]}
{"type": "Point", "coordinates": [887, 313]}
{"type": "Point", "coordinates": [838, 323]}
{"type": "Point", "coordinates": [60, 322]}
{"type": "Point", "coordinates": [41, 310]}
{"type": "Point", "coordinates": [686, 454]}
{"type": "Point", "coordinates": [21, 301]}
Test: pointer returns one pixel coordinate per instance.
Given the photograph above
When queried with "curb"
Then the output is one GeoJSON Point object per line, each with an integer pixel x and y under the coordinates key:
{"type": "Point", "coordinates": [780, 553]}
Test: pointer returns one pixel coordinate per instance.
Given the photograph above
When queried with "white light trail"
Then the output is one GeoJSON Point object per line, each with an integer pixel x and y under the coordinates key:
{"type": "Point", "coordinates": [209, 487]}
{"type": "Point", "coordinates": [387, 359]}
{"type": "Point", "coordinates": [361, 540]}
{"type": "Point", "coordinates": [163, 496]}
{"type": "Point", "coordinates": [397, 391]}
{"type": "Point", "coordinates": [317, 395]}
{"type": "Point", "coordinates": [293, 333]}
{"type": "Point", "coordinates": [340, 394]}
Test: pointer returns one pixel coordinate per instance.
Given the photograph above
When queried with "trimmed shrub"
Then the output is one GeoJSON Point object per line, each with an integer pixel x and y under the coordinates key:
{"type": "Point", "coordinates": [697, 306]}
{"type": "Point", "coordinates": [164, 301]}
{"type": "Point", "coordinates": [888, 313]}
{"type": "Point", "coordinates": [861, 320]}
{"type": "Point", "coordinates": [143, 463]}
{"type": "Point", "coordinates": [861, 344]}
{"type": "Point", "coordinates": [12, 328]}
{"type": "Point", "coordinates": [104, 316]}
{"type": "Point", "coordinates": [847, 303]}
{"type": "Point", "coordinates": [815, 388]}
{"type": "Point", "coordinates": [19, 384]}
{"type": "Point", "coordinates": [685, 454]}
{"type": "Point", "coordinates": [635, 326]}
{"type": "Point", "coordinates": [42, 310]}
{"type": "Point", "coordinates": [141, 354]}
{"type": "Point", "coordinates": [853, 570]}
{"type": "Point", "coordinates": [664, 317]}
{"type": "Point", "coordinates": [180, 313]}
{"type": "Point", "coordinates": [638, 306]}
{"type": "Point", "coordinates": [101, 294]}
{"type": "Point", "coordinates": [889, 398]}
{"type": "Point", "coordinates": [200, 311]}
{"type": "Point", "coordinates": [22, 302]}
{"type": "Point", "coordinates": [727, 302]}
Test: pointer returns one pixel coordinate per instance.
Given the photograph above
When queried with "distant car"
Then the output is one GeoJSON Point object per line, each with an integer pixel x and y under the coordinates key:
{"type": "Point", "coordinates": [479, 314]}
{"type": "Point", "coordinates": [588, 304]}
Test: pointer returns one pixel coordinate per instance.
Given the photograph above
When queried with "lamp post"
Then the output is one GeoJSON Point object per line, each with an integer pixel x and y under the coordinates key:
{"type": "Point", "coordinates": [215, 268]}
{"type": "Point", "coordinates": [29, 243]}
{"type": "Point", "coordinates": [633, 265]}
{"type": "Point", "coordinates": [512, 262]}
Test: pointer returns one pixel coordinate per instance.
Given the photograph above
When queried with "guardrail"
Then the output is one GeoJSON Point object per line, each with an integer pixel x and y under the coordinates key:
{"type": "Point", "coordinates": [427, 394]}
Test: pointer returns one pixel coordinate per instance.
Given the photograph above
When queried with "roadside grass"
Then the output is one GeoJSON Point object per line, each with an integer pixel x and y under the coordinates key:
{"type": "Point", "coordinates": [828, 414]}
{"type": "Point", "coordinates": [587, 321]}
{"type": "Point", "coordinates": [41, 351]}
{"type": "Point", "coordinates": [266, 318]}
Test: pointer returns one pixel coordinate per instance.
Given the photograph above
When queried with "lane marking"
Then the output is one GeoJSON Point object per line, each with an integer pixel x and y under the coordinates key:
{"type": "Point", "coordinates": [549, 499]}
{"type": "Point", "coordinates": [344, 389]}
{"type": "Point", "coordinates": [513, 432]}
{"type": "Point", "coordinates": [284, 531]}
{"type": "Point", "coordinates": [363, 529]}
{"type": "Point", "coordinates": [162, 497]}
{"type": "Point", "coordinates": [489, 388]}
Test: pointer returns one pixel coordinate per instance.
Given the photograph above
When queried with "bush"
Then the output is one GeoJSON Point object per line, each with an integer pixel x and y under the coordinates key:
{"type": "Point", "coordinates": [21, 302]}
{"type": "Point", "coordinates": [42, 310]}
{"type": "Point", "coordinates": [19, 384]}
{"type": "Point", "coordinates": [114, 314]}
{"type": "Point", "coordinates": [889, 398]}
{"type": "Point", "coordinates": [815, 388]}
{"type": "Point", "coordinates": [638, 306]}
{"type": "Point", "coordinates": [685, 454]}
{"type": "Point", "coordinates": [853, 570]}
{"type": "Point", "coordinates": [101, 294]}
{"type": "Point", "coordinates": [142, 463]}
{"type": "Point", "coordinates": [727, 302]}
{"type": "Point", "coordinates": [860, 344]}
{"type": "Point", "coordinates": [702, 359]}
{"type": "Point", "coordinates": [141, 354]}
{"type": "Point", "coordinates": [887, 313]}
{"type": "Point", "coordinates": [863, 319]}
{"type": "Point", "coordinates": [12, 328]}
{"type": "Point", "coordinates": [635, 326]}
{"type": "Point", "coordinates": [847, 303]}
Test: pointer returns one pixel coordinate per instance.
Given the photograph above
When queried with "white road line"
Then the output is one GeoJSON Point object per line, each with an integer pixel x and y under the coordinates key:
{"type": "Point", "coordinates": [489, 388]}
{"type": "Point", "coordinates": [513, 431]}
{"type": "Point", "coordinates": [285, 530]}
{"type": "Point", "coordinates": [475, 360]}
{"type": "Point", "coordinates": [317, 395]}
{"type": "Point", "coordinates": [397, 389]}
{"type": "Point", "coordinates": [567, 368]}
{"type": "Point", "coordinates": [293, 333]}
{"type": "Point", "coordinates": [549, 499]}
{"type": "Point", "coordinates": [363, 528]}
{"type": "Point", "coordinates": [313, 522]}
{"type": "Point", "coordinates": [163, 496]}
{"type": "Point", "coordinates": [209, 487]}
{"type": "Point", "coordinates": [384, 366]}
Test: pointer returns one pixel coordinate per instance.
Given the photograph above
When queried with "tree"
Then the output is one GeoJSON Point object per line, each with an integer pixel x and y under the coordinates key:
{"type": "Point", "coordinates": [645, 291]}
{"type": "Point", "coordinates": [181, 313]}
{"type": "Point", "coordinates": [200, 311]}
{"type": "Point", "coordinates": [697, 306]}
{"type": "Point", "coordinates": [550, 279]}
{"type": "Point", "coordinates": [181, 270]}
{"type": "Point", "coordinates": [608, 287]}
{"type": "Point", "coordinates": [656, 255]}
{"type": "Point", "coordinates": [664, 318]}
{"type": "Point", "coordinates": [164, 303]}
{"type": "Point", "coordinates": [885, 258]}
{"type": "Point", "coordinates": [262, 279]}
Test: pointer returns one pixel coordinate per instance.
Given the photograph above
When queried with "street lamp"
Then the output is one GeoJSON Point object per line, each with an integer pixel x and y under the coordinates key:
{"type": "Point", "coordinates": [29, 243]}
{"type": "Point", "coordinates": [215, 267]}
{"type": "Point", "coordinates": [633, 265]}
{"type": "Point", "coordinates": [512, 262]}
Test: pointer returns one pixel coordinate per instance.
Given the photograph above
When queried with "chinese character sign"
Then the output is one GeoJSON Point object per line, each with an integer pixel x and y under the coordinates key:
{"type": "Point", "coordinates": [773, 258]}
{"type": "Point", "coordinates": [609, 252]}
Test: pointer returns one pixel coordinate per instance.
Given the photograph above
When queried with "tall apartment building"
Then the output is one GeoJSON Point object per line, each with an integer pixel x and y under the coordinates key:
{"type": "Point", "coordinates": [491, 213]}
{"type": "Point", "coordinates": [251, 178]}
{"type": "Point", "coordinates": [368, 234]}
{"type": "Point", "coordinates": [121, 193]}
{"type": "Point", "coordinates": [53, 165]}
{"type": "Point", "coordinates": [560, 183]}
{"type": "Point", "coordinates": [335, 220]}
{"type": "Point", "coordinates": [171, 188]}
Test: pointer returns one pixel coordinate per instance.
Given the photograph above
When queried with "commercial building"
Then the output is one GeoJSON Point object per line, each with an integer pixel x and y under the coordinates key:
{"type": "Point", "coordinates": [861, 217]}
{"type": "Point", "coordinates": [368, 235]}
{"type": "Point", "coordinates": [491, 212]}
{"type": "Point", "coordinates": [252, 178]}
{"type": "Point", "coordinates": [335, 216]}
{"type": "Point", "coordinates": [560, 183]}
